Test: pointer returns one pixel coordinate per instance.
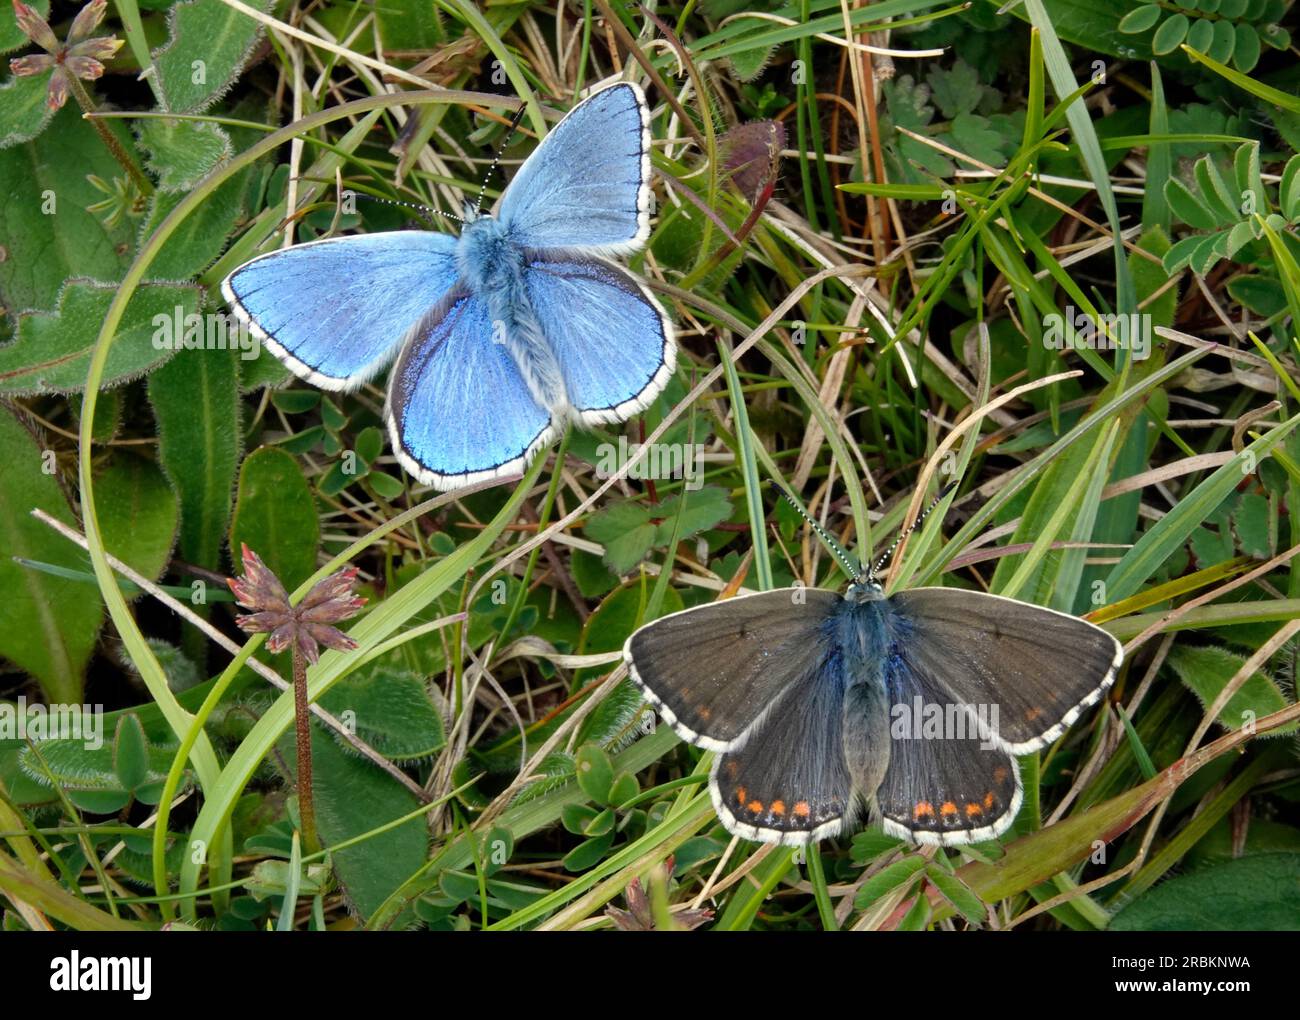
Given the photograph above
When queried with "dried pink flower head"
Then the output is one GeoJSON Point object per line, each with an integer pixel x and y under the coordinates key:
{"type": "Point", "coordinates": [305, 625]}
{"type": "Point", "coordinates": [639, 915]}
{"type": "Point", "coordinates": [79, 57]}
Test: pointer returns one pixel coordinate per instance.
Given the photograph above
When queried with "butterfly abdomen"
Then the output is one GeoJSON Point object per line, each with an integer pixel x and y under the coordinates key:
{"type": "Point", "coordinates": [492, 266]}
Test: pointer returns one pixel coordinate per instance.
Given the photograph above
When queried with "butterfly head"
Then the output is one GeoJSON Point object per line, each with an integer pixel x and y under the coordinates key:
{"type": "Point", "coordinates": [864, 589]}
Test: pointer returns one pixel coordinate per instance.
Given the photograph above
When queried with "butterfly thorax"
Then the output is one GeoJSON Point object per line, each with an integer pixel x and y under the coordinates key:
{"type": "Point", "coordinates": [860, 631]}
{"type": "Point", "coordinates": [493, 267]}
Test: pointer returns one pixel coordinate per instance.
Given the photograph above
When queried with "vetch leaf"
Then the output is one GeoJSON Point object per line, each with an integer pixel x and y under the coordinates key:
{"type": "Point", "coordinates": [887, 879]}
{"type": "Point", "coordinates": [1169, 36]}
{"type": "Point", "coordinates": [1140, 19]}
{"type": "Point", "coordinates": [1188, 207]}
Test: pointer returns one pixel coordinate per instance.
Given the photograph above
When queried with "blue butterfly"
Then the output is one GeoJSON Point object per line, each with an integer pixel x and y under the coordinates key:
{"type": "Point", "coordinates": [507, 333]}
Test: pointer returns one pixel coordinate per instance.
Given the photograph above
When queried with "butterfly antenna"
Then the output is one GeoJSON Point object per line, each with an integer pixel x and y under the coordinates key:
{"type": "Point", "coordinates": [853, 571]}
{"type": "Point", "coordinates": [496, 160]}
{"type": "Point", "coordinates": [911, 528]}
{"type": "Point", "coordinates": [413, 205]}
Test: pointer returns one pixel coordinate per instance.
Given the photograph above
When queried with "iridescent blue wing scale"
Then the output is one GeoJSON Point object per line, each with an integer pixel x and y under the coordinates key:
{"type": "Point", "coordinates": [459, 411]}
{"type": "Point", "coordinates": [334, 311]}
{"type": "Point", "coordinates": [586, 188]}
{"type": "Point", "coordinates": [612, 340]}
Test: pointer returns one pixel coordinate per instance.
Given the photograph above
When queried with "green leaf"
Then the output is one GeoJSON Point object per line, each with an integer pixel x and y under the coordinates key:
{"type": "Point", "coordinates": [595, 773]}
{"type": "Point", "coordinates": [887, 879]}
{"type": "Point", "coordinates": [1206, 670]}
{"type": "Point", "coordinates": [1201, 34]}
{"type": "Point", "coordinates": [1188, 207]}
{"type": "Point", "coordinates": [385, 486]}
{"type": "Point", "coordinates": [918, 915]}
{"type": "Point", "coordinates": [626, 532]}
{"type": "Point", "coordinates": [1276, 36]}
{"type": "Point", "coordinates": [1288, 194]}
{"type": "Point", "coordinates": [47, 233]}
{"type": "Point", "coordinates": [369, 444]}
{"type": "Point", "coordinates": [208, 44]}
{"type": "Point", "coordinates": [48, 625]}
{"type": "Point", "coordinates": [138, 514]}
{"type": "Point", "coordinates": [1246, 48]}
{"type": "Point", "coordinates": [1257, 893]}
{"type": "Point", "coordinates": [1215, 192]}
{"type": "Point", "coordinates": [390, 709]}
{"type": "Point", "coordinates": [411, 25]}
{"type": "Point", "coordinates": [967, 903]}
{"type": "Point", "coordinates": [624, 789]}
{"type": "Point", "coordinates": [197, 242]}
{"type": "Point", "coordinates": [617, 616]}
{"type": "Point", "coordinates": [354, 798]}
{"type": "Point", "coordinates": [275, 516]}
{"type": "Point", "coordinates": [1169, 36]}
{"type": "Point", "coordinates": [181, 153]}
{"type": "Point", "coordinates": [195, 399]}
{"type": "Point", "coordinates": [91, 766]}
{"type": "Point", "coordinates": [1225, 39]}
{"type": "Point", "coordinates": [588, 854]}
{"type": "Point", "coordinates": [1140, 19]}
{"type": "Point", "coordinates": [52, 350]}
{"type": "Point", "coordinates": [295, 401]}
{"type": "Point", "coordinates": [23, 110]}
{"type": "Point", "coordinates": [130, 752]}
{"type": "Point", "coordinates": [957, 90]}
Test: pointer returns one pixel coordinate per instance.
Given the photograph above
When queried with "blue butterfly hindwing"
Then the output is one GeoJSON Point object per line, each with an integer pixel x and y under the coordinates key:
{"type": "Point", "coordinates": [459, 411]}
{"type": "Point", "coordinates": [612, 340]}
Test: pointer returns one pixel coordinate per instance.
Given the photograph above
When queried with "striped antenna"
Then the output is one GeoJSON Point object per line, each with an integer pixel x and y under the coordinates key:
{"type": "Point", "coordinates": [496, 160]}
{"type": "Point", "coordinates": [853, 572]}
{"type": "Point", "coordinates": [912, 527]}
{"type": "Point", "coordinates": [415, 206]}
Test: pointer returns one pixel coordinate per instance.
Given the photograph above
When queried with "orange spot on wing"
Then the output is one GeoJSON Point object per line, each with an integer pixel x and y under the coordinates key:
{"type": "Point", "coordinates": [732, 769]}
{"type": "Point", "coordinates": [973, 809]}
{"type": "Point", "coordinates": [778, 807]}
{"type": "Point", "coordinates": [1000, 773]}
{"type": "Point", "coordinates": [705, 714]}
{"type": "Point", "coordinates": [740, 795]}
{"type": "Point", "coordinates": [923, 809]}
{"type": "Point", "coordinates": [988, 800]}
{"type": "Point", "coordinates": [755, 807]}
{"type": "Point", "coordinates": [947, 809]}
{"type": "Point", "coordinates": [802, 809]}
{"type": "Point", "coordinates": [1033, 713]}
